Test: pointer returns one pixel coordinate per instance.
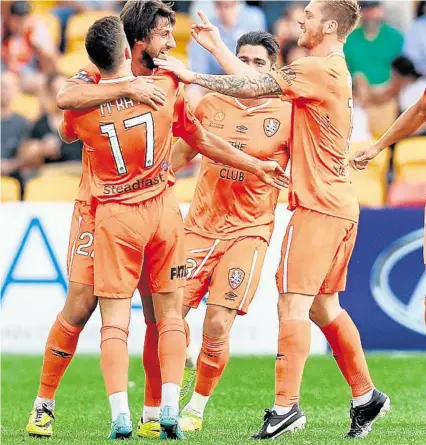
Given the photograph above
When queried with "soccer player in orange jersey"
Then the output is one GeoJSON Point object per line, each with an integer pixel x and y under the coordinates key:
{"type": "Point", "coordinates": [231, 218]}
{"type": "Point", "coordinates": [409, 121]}
{"type": "Point", "coordinates": [138, 221]}
{"type": "Point", "coordinates": [321, 234]}
{"type": "Point", "coordinates": [148, 26]}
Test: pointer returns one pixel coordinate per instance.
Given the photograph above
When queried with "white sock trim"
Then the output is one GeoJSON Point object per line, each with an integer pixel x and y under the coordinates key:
{"type": "Point", "coordinates": [281, 410]}
{"type": "Point", "coordinates": [197, 404]}
{"type": "Point", "coordinates": [170, 397]}
{"type": "Point", "coordinates": [362, 400]}
{"type": "Point", "coordinates": [150, 413]}
{"type": "Point", "coordinates": [50, 403]}
{"type": "Point", "coordinates": [119, 404]}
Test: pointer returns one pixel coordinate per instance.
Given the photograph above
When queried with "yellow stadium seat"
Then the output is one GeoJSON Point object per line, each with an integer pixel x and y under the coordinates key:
{"type": "Point", "coordinates": [78, 26]}
{"type": "Point", "coordinates": [27, 106]}
{"type": "Point", "coordinates": [42, 7]}
{"type": "Point", "coordinates": [10, 189]}
{"type": "Point", "coordinates": [182, 32]}
{"type": "Point", "coordinates": [61, 188]}
{"type": "Point", "coordinates": [185, 188]}
{"type": "Point", "coordinates": [52, 24]}
{"type": "Point", "coordinates": [371, 184]}
{"type": "Point", "coordinates": [410, 160]}
{"type": "Point", "coordinates": [70, 63]}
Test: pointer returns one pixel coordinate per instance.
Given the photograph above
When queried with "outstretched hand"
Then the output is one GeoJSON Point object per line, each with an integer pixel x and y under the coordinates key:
{"type": "Point", "coordinates": [176, 67]}
{"type": "Point", "coordinates": [362, 158]}
{"type": "Point", "coordinates": [271, 173]}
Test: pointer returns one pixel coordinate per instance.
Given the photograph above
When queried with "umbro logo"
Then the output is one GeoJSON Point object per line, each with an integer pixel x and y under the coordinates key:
{"type": "Point", "coordinates": [242, 129]}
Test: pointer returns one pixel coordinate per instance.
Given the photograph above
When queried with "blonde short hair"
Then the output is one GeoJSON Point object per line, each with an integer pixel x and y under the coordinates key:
{"type": "Point", "coordinates": [345, 12]}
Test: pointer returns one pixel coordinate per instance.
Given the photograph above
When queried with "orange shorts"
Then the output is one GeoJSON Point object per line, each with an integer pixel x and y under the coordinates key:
{"type": "Point", "coordinates": [128, 237]}
{"type": "Point", "coordinates": [315, 253]}
{"type": "Point", "coordinates": [80, 246]}
{"type": "Point", "coordinates": [228, 269]}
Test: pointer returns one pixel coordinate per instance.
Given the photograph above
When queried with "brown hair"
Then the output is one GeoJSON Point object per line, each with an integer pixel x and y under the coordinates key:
{"type": "Point", "coordinates": [139, 18]}
{"type": "Point", "coordinates": [345, 12]}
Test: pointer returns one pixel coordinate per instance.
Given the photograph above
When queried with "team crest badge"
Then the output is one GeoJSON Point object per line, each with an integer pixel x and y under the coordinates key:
{"type": "Point", "coordinates": [235, 278]}
{"type": "Point", "coordinates": [271, 126]}
{"type": "Point", "coordinates": [220, 116]}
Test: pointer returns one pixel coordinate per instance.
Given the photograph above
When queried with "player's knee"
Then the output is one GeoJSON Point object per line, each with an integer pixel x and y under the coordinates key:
{"type": "Point", "coordinates": [80, 304]}
{"type": "Point", "coordinates": [325, 309]}
{"type": "Point", "coordinates": [218, 321]}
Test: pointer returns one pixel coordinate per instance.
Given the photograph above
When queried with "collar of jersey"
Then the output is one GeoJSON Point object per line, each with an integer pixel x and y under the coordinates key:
{"type": "Point", "coordinates": [252, 109]}
{"type": "Point", "coordinates": [336, 53]}
{"type": "Point", "coordinates": [117, 80]}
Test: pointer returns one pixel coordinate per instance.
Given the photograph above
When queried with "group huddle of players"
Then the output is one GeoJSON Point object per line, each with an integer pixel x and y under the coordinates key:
{"type": "Point", "coordinates": [126, 108]}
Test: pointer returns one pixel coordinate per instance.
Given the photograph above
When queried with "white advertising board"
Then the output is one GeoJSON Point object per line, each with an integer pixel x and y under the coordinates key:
{"type": "Point", "coordinates": [34, 241]}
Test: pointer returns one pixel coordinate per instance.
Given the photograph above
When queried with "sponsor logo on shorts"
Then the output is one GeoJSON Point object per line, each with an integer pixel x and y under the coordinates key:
{"type": "Point", "coordinates": [137, 185]}
{"type": "Point", "coordinates": [230, 296]}
{"type": "Point", "coordinates": [271, 126]}
{"type": "Point", "coordinates": [178, 272]}
{"type": "Point", "coordinates": [235, 277]}
{"type": "Point", "coordinates": [242, 129]}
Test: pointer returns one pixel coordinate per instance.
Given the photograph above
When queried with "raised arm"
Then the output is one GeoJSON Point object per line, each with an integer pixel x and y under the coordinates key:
{"type": "Point", "coordinates": [208, 36]}
{"type": "Point", "coordinates": [80, 96]}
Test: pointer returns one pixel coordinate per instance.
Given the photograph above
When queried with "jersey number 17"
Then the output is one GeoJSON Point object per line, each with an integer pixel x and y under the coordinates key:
{"type": "Point", "coordinates": [111, 132]}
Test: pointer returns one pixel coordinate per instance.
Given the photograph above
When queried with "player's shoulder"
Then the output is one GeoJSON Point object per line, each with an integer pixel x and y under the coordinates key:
{"type": "Point", "coordinates": [89, 74]}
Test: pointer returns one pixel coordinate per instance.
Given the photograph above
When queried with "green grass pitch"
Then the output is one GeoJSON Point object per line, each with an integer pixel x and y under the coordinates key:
{"type": "Point", "coordinates": [235, 411]}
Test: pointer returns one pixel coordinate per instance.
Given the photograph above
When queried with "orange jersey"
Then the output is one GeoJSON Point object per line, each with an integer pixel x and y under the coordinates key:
{"type": "Point", "coordinates": [320, 89]}
{"type": "Point", "coordinates": [229, 203]}
{"type": "Point", "coordinates": [129, 144]}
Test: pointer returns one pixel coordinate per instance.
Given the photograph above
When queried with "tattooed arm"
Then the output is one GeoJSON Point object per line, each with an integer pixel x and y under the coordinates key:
{"type": "Point", "coordinates": [244, 87]}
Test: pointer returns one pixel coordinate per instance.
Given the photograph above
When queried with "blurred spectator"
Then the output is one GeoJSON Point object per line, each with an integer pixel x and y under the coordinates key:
{"type": "Point", "coordinates": [65, 10]}
{"type": "Point", "coordinates": [287, 28]}
{"type": "Point", "coordinates": [415, 40]}
{"type": "Point", "coordinates": [45, 145]}
{"type": "Point", "coordinates": [291, 52]}
{"type": "Point", "coordinates": [371, 48]}
{"type": "Point", "coordinates": [406, 85]}
{"type": "Point", "coordinates": [27, 46]}
{"type": "Point", "coordinates": [14, 127]}
{"type": "Point", "coordinates": [273, 10]}
{"type": "Point", "coordinates": [233, 19]}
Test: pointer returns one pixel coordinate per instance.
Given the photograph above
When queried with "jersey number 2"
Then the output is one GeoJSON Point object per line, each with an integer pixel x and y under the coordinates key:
{"type": "Point", "coordinates": [111, 132]}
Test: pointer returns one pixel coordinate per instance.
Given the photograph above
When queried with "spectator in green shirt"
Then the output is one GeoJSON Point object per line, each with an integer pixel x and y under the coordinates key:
{"type": "Point", "coordinates": [372, 47]}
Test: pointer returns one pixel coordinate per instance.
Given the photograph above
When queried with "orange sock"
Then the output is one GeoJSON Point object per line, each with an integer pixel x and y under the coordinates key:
{"type": "Point", "coordinates": [213, 358]}
{"type": "Point", "coordinates": [171, 349]}
{"type": "Point", "coordinates": [114, 359]}
{"type": "Point", "coordinates": [151, 364]}
{"type": "Point", "coordinates": [294, 343]}
{"type": "Point", "coordinates": [343, 337]}
{"type": "Point", "coordinates": [60, 348]}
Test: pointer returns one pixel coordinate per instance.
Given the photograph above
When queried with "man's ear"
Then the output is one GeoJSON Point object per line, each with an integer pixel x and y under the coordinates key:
{"type": "Point", "coordinates": [274, 67]}
{"type": "Point", "coordinates": [141, 45]}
